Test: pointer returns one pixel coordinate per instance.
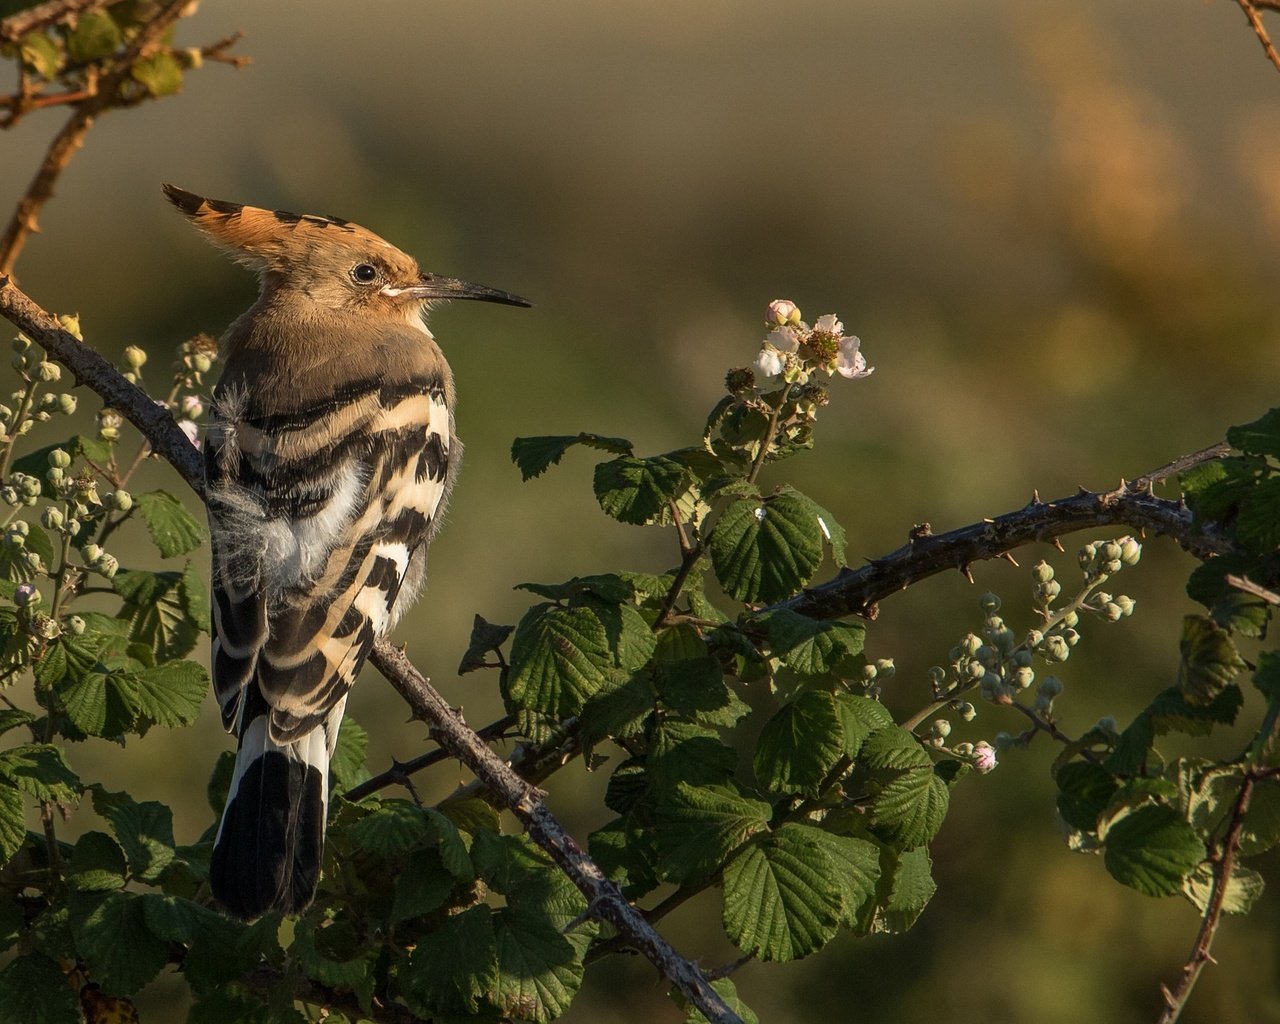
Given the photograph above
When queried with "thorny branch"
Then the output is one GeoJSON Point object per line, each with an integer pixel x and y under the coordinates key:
{"type": "Point", "coordinates": [1250, 8]}
{"type": "Point", "coordinates": [99, 95]}
{"type": "Point", "coordinates": [605, 899]}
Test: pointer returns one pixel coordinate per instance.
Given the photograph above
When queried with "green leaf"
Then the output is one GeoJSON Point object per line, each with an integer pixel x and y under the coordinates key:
{"type": "Point", "coordinates": [347, 763]}
{"type": "Point", "coordinates": [337, 955]}
{"type": "Point", "coordinates": [687, 752]}
{"type": "Point", "coordinates": [421, 887]}
{"type": "Point", "coordinates": [534, 455]}
{"type": "Point", "coordinates": [628, 785]}
{"type": "Point", "coordinates": [101, 704]}
{"type": "Point", "coordinates": [396, 827]}
{"type": "Point", "coordinates": [453, 967]}
{"type": "Point", "coordinates": [1258, 525]}
{"type": "Point", "coordinates": [1267, 676]}
{"type": "Point", "coordinates": [112, 935]}
{"type": "Point", "coordinates": [767, 551]}
{"type": "Point", "coordinates": [193, 595]}
{"type": "Point", "coordinates": [1214, 490]}
{"type": "Point", "coordinates": [1261, 830]}
{"type": "Point", "coordinates": [1084, 791]}
{"type": "Point", "coordinates": [145, 831]}
{"type": "Point", "coordinates": [780, 900]}
{"type": "Point", "coordinates": [41, 771]}
{"type": "Point", "coordinates": [1261, 437]}
{"type": "Point", "coordinates": [639, 491]}
{"type": "Point", "coordinates": [1243, 888]}
{"type": "Point", "coordinates": [800, 745]}
{"type": "Point", "coordinates": [13, 828]}
{"type": "Point", "coordinates": [854, 865]}
{"type": "Point", "coordinates": [894, 749]}
{"type": "Point", "coordinates": [485, 639]}
{"type": "Point", "coordinates": [860, 717]}
{"type": "Point", "coordinates": [156, 610]}
{"type": "Point", "coordinates": [170, 694]}
{"type": "Point", "coordinates": [97, 864]}
{"type": "Point", "coordinates": [96, 35]}
{"type": "Point", "coordinates": [558, 659]}
{"type": "Point", "coordinates": [811, 646]}
{"type": "Point", "coordinates": [908, 877]}
{"type": "Point", "coordinates": [40, 54]}
{"type": "Point", "coordinates": [624, 851]}
{"type": "Point", "coordinates": [1209, 659]}
{"type": "Point", "coordinates": [909, 810]}
{"type": "Point", "coordinates": [160, 74]}
{"type": "Point", "coordinates": [173, 529]}
{"type": "Point", "coordinates": [1152, 850]}
{"type": "Point", "coordinates": [620, 709]}
{"type": "Point", "coordinates": [38, 985]}
{"type": "Point", "coordinates": [700, 825]}
{"type": "Point", "coordinates": [725, 989]}
{"type": "Point", "coordinates": [608, 587]}
{"type": "Point", "coordinates": [538, 971]}
{"type": "Point", "coordinates": [11, 718]}
{"type": "Point", "coordinates": [1171, 711]}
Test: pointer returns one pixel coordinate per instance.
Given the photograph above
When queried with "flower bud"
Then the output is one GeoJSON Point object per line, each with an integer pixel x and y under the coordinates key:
{"type": "Point", "coordinates": [59, 458]}
{"type": "Point", "coordinates": [885, 668]}
{"type": "Point", "coordinates": [106, 564]}
{"type": "Point", "coordinates": [71, 324]}
{"type": "Point", "coordinates": [1050, 686]}
{"type": "Point", "coordinates": [967, 711]}
{"type": "Point", "coordinates": [1130, 551]}
{"type": "Point", "coordinates": [18, 362]}
{"type": "Point", "coordinates": [26, 596]}
{"type": "Point", "coordinates": [984, 757]}
{"type": "Point", "coordinates": [48, 372]}
{"type": "Point", "coordinates": [201, 362]}
{"type": "Point", "coordinates": [989, 602]}
{"type": "Point", "coordinates": [782, 311]}
{"type": "Point", "coordinates": [91, 553]}
{"type": "Point", "coordinates": [76, 625]}
{"type": "Point", "coordinates": [964, 749]}
{"type": "Point", "coordinates": [940, 729]}
{"type": "Point", "coordinates": [1112, 612]}
{"type": "Point", "coordinates": [134, 358]}
{"type": "Point", "coordinates": [1087, 555]}
{"type": "Point", "coordinates": [970, 644]}
{"type": "Point", "coordinates": [66, 403]}
{"type": "Point", "coordinates": [1125, 604]}
{"type": "Point", "coordinates": [975, 670]}
{"type": "Point", "coordinates": [937, 676]}
{"type": "Point", "coordinates": [122, 500]}
{"type": "Point", "coordinates": [1042, 572]}
{"type": "Point", "coordinates": [868, 674]}
{"type": "Point", "coordinates": [1071, 619]}
{"type": "Point", "coordinates": [1071, 637]}
{"type": "Point", "coordinates": [1023, 677]}
{"type": "Point", "coordinates": [21, 343]}
{"type": "Point", "coordinates": [1056, 649]}
{"type": "Point", "coordinates": [52, 518]}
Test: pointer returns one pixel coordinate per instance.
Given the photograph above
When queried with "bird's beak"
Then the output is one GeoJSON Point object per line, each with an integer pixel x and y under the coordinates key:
{"type": "Point", "coordinates": [433, 286]}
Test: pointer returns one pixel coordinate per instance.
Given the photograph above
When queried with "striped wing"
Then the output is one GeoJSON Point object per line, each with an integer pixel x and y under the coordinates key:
{"type": "Point", "coordinates": [319, 521]}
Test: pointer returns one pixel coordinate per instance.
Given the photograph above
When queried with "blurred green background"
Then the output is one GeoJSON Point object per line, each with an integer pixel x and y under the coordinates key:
{"type": "Point", "coordinates": [1055, 227]}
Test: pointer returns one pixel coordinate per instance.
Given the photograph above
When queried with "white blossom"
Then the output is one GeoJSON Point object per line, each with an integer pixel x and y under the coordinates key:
{"type": "Point", "coordinates": [851, 363]}
{"type": "Point", "coordinates": [782, 311]}
{"type": "Point", "coordinates": [828, 324]}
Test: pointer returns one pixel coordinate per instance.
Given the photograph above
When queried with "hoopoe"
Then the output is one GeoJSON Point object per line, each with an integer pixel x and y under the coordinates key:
{"type": "Point", "coordinates": [330, 455]}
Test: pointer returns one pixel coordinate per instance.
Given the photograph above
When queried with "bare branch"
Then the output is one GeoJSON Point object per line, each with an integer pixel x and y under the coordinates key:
{"type": "Point", "coordinates": [1256, 589]}
{"type": "Point", "coordinates": [1250, 8]}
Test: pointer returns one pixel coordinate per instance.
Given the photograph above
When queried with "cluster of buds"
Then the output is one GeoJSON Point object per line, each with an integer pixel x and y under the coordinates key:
{"type": "Point", "coordinates": [197, 355]}
{"type": "Point", "coordinates": [874, 673]}
{"type": "Point", "coordinates": [795, 351]}
{"type": "Point", "coordinates": [24, 410]}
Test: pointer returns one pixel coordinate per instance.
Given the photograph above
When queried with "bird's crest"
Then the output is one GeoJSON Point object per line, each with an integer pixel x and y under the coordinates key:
{"type": "Point", "coordinates": [265, 238]}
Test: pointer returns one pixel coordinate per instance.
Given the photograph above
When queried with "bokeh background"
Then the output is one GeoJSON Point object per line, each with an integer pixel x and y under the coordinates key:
{"type": "Point", "coordinates": [1054, 225]}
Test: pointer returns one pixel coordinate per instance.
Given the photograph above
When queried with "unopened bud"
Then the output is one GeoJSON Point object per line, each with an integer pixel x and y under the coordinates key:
{"type": "Point", "coordinates": [134, 358]}
{"type": "Point", "coordinates": [91, 553]}
{"type": "Point", "coordinates": [1042, 572]}
{"type": "Point", "coordinates": [76, 624]}
{"type": "Point", "coordinates": [989, 602]}
{"type": "Point", "coordinates": [1130, 551]}
{"type": "Point", "coordinates": [122, 500]}
{"type": "Point", "coordinates": [52, 518]}
{"type": "Point", "coordinates": [59, 458]}
{"type": "Point", "coordinates": [106, 564]}
{"type": "Point", "coordinates": [49, 372]}
{"type": "Point", "coordinates": [782, 311]}
{"type": "Point", "coordinates": [885, 668]}
{"type": "Point", "coordinates": [71, 324]}
{"type": "Point", "coordinates": [940, 728]}
{"type": "Point", "coordinates": [967, 711]}
{"type": "Point", "coordinates": [1056, 649]}
{"type": "Point", "coordinates": [21, 343]}
{"type": "Point", "coordinates": [26, 596]}
{"type": "Point", "coordinates": [66, 403]}
{"type": "Point", "coordinates": [201, 362]}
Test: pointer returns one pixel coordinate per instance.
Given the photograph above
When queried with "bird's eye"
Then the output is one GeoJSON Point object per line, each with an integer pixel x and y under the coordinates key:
{"type": "Point", "coordinates": [364, 273]}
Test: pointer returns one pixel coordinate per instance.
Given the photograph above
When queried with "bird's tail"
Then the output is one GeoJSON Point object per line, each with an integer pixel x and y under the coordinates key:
{"type": "Point", "coordinates": [267, 852]}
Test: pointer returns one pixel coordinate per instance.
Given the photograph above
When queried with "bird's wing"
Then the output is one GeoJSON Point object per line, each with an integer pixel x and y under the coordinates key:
{"type": "Point", "coordinates": [316, 517]}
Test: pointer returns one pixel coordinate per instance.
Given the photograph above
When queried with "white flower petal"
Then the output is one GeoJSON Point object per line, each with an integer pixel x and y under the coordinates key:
{"type": "Point", "coordinates": [784, 339]}
{"type": "Point", "coordinates": [851, 363]}
{"type": "Point", "coordinates": [769, 361]}
{"type": "Point", "coordinates": [828, 324]}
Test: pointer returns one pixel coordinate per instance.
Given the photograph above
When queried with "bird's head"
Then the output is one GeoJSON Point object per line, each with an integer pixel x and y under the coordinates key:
{"type": "Point", "coordinates": [333, 262]}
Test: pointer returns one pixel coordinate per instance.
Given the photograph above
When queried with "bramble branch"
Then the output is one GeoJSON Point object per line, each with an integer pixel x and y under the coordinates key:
{"type": "Point", "coordinates": [605, 899]}
{"type": "Point", "coordinates": [40, 16]}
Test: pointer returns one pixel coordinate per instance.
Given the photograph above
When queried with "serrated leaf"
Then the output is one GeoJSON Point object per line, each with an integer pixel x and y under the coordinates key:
{"type": "Point", "coordinates": [908, 811]}
{"type": "Point", "coordinates": [812, 646]}
{"type": "Point", "coordinates": [639, 491]}
{"type": "Point", "coordinates": [160, 74]}
{"type": "Point", "coordinates": [619, 709]}
{"type": "Point", "coordinates": [121, 951]}
{"type": "Point", "coordinates": [1261, 437]}
{"type": "Point", "coordinates": [396, 827]}
{"type": "Point", "coordinates": [1243, 888]}
{"type": "Point", "coordinates": [624, 851]}
{"type": "Point", "coordinates": [780, 901]}
{"type": "Point", "coordinates": [38, 985]}
{"type": "Point", "coordinates": [893, 749]}
{"type": "Point", "coordinates": [609, 587]}
{"type": "Point", "coordinates": [11, 718]}
{"type": "Point", "coordinates": [767, 551]}
{"type": "Point", "coordinates": [171, 693]}
{"type": "Point", "coordinates": [97, 864]}
{"type": "Point", "coordinates": [1261, 831]}
{"type": "Point", "coordinates": [95, 35]}
{"type": "Point", "coordinates": [485, 638]}
{"type": "Point", "coordinates": [347, 763]}
{"type": "Point", "coordinates": [1258, 525]}
{"type": "Point", "coordinates": [145, 832]}
{"type": "Point", "coordinates": [558, 658]}
{"type": "Point", "coordinates": [470, 814]}
{"type": "Point", "coordinates": [908, 878]}
{"type": "Point", "coordinates": [854, 865]}
{"type": "Point", "coordinates": [13, 828]}
{"type": "Point", "coordinates": [538, 971]}
{"type": "Point", "coordinates": [40, 770]}
{"type": "Point", "coordinates": [1209, 659]}
{"type": "Point", "coordinates": [628, 785]}
{"type": "Point", "coordinates": [453, 967]}
{"type": "Point", "coordinates": [1084, 790]}
{"type": "Point", "coordinates": [800, 745]}
{"type": "Point", "coordinates": [421, 887]}
{"type": "Point", "coordinates": [1152, 850]}
{"type": "Point", "coordinates": [860, 717]}
{"type": "Point", "coordinates": [1214, 490]}
{"type": "Point", "coordinates": [700, 825]}
{"type": "Point", "coordinates": [101, 704]}
{"type": "Point", "coordinates": [688, 752]}
{"type": "Point", "coordinates": [193, 595]}
{"type": "Point", "coordinates": [174, 530]}
{"type": "Point", "coordinates": [1171, 711]}
{"type": "Point", "coordinates": [535, 455]}
{"type": "Point", "coordinates": [1266, 679]}
{"type": "Point", "coordinates": [695, 685]}
{"type": "Point", "coordinates": [334, 956]}
{"type": "Point", "coordinates": [156, 608]}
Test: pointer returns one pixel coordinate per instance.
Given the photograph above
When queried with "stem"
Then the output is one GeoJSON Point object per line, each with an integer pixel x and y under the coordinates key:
{"type": "Point", "coordinates": [19, 417]}
{"type": "Point", "coordinates": [757, 464]}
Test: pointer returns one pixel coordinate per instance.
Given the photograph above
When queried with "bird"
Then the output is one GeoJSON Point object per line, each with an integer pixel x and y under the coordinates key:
{"type": "Point", "coordinates": [329, 457]}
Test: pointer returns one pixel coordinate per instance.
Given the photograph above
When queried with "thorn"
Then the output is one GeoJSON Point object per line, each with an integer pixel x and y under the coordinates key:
{"type": "Point", "coordinates": [1057, 543]}
{"type": "Point", "coordinates": [1035, 498]}
{"type": "Point", "coordinates": [1081, 491]}
{"type": "Point", "coordinates": [966, 572]}
{"type": "Point", "coordinates": [1008, 557]}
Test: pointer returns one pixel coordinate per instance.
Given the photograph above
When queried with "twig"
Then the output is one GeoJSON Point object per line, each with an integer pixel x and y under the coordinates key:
{"type": "Point", "coordinates": [18, 25]}
{"type": "Point", "coordinates": [25, 220]}
{"type": "Point", "coordinates": [1175, 1000]}
{"type": "Point", "coordinates": [603, 897]}
{"type": "Point", "coordinates": [1256, 589]}
{"type": "Point", "coordinates": [1250, 8]}
{"type": "Point", "coordinates": [857, 591]}
{"type": "Point", "coordinates": [447, 728]}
